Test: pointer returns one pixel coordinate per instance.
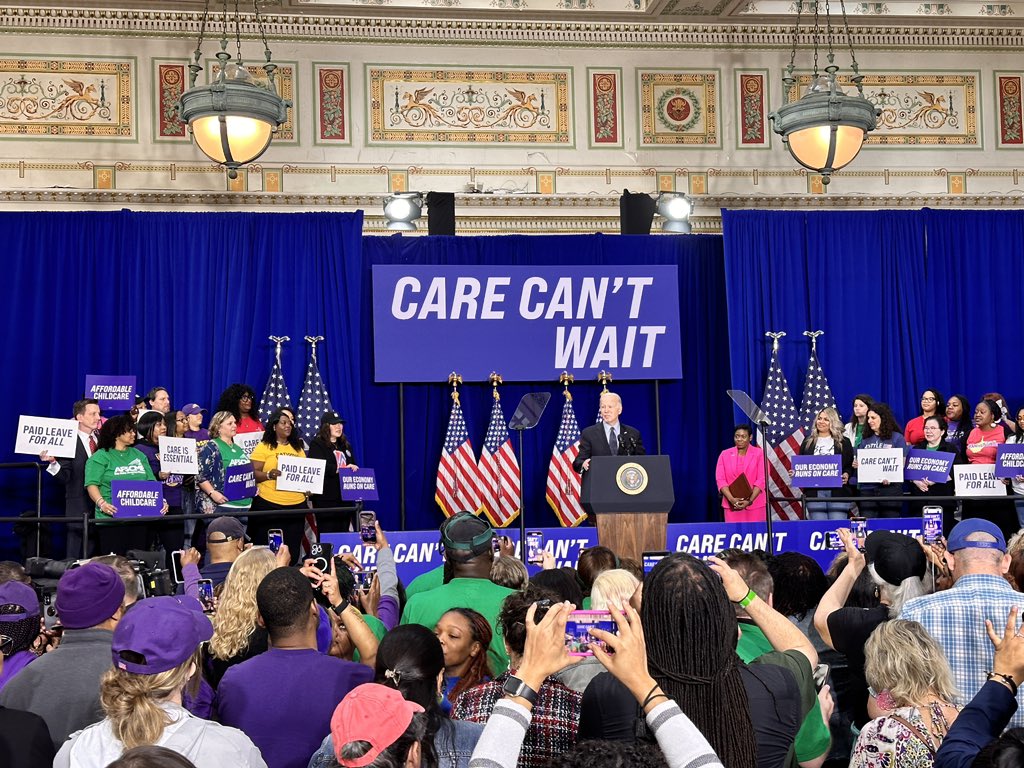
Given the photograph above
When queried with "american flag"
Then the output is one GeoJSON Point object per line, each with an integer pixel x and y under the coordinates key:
{"type": "Point", "coordinates": [499, 471]}
{"type": "Point", "coordinates": [563, 488]}
{"type": "Point", "coordinates": [817, 393]}
{"type": "Point", "coordinates": [459, 483]}
{"type": "Point", "coordinates": [275, 394]}
{"type": "Point", "coordinates": [313, 403]}
{"type": "Point", "coordinates": [783, 438]}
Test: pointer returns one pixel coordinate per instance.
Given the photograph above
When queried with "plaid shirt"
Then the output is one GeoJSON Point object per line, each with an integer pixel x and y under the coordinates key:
{"type": "Point", "coordinates": [956, 619]}
{"type": "Point", "coordinates": [552, 730]}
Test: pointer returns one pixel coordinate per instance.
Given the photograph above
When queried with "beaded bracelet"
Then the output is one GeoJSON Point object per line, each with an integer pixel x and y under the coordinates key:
{"type": "Point", "coordinates": [1008, 679]}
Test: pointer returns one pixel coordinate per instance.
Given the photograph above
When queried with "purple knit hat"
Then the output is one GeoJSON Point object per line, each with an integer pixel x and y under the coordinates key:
{"type": "Point", "coordinates": [88, 596]}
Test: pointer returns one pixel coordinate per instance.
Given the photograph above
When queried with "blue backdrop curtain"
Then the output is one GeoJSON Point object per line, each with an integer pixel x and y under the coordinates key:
{"type": "Point", "coordinates": [907, 299]}
{"type": "Point", "coordinates": [184, 301]}
{"type": "Point", "coordinates": [187, 301]}
{"type": "Point", "coordinates": [689, 422]}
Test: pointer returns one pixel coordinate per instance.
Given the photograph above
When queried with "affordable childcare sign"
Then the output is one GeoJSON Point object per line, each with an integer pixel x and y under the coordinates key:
{"type": "Point", "coordinates": [532, 322]}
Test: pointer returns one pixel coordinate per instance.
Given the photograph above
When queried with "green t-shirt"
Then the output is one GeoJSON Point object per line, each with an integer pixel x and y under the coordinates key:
{"type": "Point", "coordinates": [813, 739]}
{"type": "Point", "coordinates": [110, 464]}
{"type": "Point", "coordinates": [482, 595]}
{"type": "Point", "coordinates": [233, 455]}
{"type": "Point", "coordinates": [432, 579]}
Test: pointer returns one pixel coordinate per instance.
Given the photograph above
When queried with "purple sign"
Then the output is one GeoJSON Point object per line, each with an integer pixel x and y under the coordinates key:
{"type": "Point", "coordinates": [419, 551]}
{"type": "Point", "coordinates": [114, 392]}
{"type": "Point", "coordinates": [933, 466]}
{"type": "Point", "coordinates": [239, 482]}
{"type": "Point", "coordinates": [1009, 460]}
{"type": "Point", "coordinates": [534, 322]}
{"type": "Point", "coordinates": [817, 471]}
{"type": "Point", "coordinates": [137, 498]}
{"type": "Point", "coordinates": [358, 485]}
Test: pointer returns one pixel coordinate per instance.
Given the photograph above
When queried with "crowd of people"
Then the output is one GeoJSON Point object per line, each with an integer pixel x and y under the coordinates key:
{"type": "Point", "coordinates": [903, 655]}
{"type": "Point", "coordinates": [126, 446]}
{"type": "Point", "coordinates": [948, 426]}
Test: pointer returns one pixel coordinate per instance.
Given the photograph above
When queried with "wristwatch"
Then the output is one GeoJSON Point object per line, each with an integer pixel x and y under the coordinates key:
{"type": "Point", "coordinates": [341, 607]}
{"type": "Point", "coordinates": [516, 687]}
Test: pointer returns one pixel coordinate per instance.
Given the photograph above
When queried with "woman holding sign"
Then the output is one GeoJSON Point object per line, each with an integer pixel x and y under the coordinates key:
{"type": "Point", "coordinates": [739, 476]}
{"type": "Point", "coordinates": [224, 469]}
{"type": "Point", "coordinates": [331, 445]}
{"type": "Point", "coordinates": [171, 533]}
{"type": "Point", "coordinates": [279, 439]}
{"type": "Point", "coordinates": [934, 428]}
{"type": "Point", "coordinates": [828, 440]}
{"type": "Point", "coordinates": [981, 448]}
{"type": "Point", "coordinates": [881, 431]}
{"type": "Point", "coordinates": [116, 458]}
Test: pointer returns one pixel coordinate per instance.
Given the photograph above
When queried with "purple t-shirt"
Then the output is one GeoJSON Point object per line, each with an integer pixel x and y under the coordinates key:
{"type": "Point", "coordinates": [283, 700]}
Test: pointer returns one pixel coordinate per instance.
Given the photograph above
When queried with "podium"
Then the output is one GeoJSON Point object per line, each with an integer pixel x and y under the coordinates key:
{"type": "Point", "coordinates": [630, 496]}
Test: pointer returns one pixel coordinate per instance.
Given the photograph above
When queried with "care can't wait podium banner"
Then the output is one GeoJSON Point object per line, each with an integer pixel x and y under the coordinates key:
{"type": "Point", "coordinates": [417, 552]}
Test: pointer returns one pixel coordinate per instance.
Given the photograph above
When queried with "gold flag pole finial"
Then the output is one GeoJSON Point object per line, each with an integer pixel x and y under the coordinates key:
{"type": "Point", "coordinates": [565, 380]}
{"type": "Point", "coordinates": [813, 335]}
{"type": "Point", "coordinates": [775, 336]}
{"type": "Point", "coordinates": [495, 380]}
{"type": "Point", "coordinates": [278, 340]}
{"type": "Point", "coordinates": [604, 379]}
{"type": "Point", "coordinates": [455, 380]}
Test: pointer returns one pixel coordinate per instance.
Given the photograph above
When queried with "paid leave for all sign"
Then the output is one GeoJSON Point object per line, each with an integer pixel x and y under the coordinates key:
{"type": "Point", "coordinates": [303, 475]}
{"type": "Point", "coordinates": [57, 437]}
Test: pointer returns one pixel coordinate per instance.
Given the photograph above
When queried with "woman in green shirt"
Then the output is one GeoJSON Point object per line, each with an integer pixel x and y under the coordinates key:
{"type": "Point", "coordinates": [116, 459]}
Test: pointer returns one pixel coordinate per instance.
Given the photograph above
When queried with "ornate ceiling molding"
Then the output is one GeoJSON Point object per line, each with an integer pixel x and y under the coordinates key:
{"type": "Point", "coordinates": [565, 34]}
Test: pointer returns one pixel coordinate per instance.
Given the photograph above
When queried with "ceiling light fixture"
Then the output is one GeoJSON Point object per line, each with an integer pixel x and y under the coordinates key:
{"type": "Point", "coordinates": [825, 128]}
{"type": "Point", "coordinates": [234, 118]}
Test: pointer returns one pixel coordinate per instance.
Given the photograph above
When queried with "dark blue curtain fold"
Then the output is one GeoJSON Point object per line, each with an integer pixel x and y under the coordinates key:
{"type": "Point", "coordinates": [907, 299]}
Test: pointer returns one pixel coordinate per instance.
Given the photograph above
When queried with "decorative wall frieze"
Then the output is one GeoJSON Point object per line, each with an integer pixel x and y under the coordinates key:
{"type": "Point", "coordinates": [445, 31]}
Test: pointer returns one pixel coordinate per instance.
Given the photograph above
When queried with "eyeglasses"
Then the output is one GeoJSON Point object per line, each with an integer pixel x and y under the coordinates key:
{"type": "Point", "coordinates": [245, 397]}
{"type": "Point", "coordinates": [182, 419]}
{"type": "Point", "coordinates": [927, 399]}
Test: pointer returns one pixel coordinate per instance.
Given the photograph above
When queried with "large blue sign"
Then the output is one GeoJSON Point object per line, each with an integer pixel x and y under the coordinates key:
{"type": "Point", "coordinates": [531, 323]}
{"type": "Point", "coordinates": [418, 551]}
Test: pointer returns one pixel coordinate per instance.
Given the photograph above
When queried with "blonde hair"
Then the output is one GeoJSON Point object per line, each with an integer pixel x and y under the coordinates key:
{"type": "Point", "coordinates": [235, 619]}
{"type": "Point", "coordinates": [132, 701]}
{"type": "Point", "coordinates": [902, 658]}
{"type": "Point", "coordinates": [835, 426]}
{"type": "Point", "coordinates": [612, 587]}
{"type": "Point", "coordinates": [216, 421]}
{"type": "Point", "coordinates": [509, 572]}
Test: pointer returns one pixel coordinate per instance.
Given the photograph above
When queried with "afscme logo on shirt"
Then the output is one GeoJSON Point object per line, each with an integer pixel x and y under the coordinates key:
{"type": "Point", "coordinates": [134, 468]}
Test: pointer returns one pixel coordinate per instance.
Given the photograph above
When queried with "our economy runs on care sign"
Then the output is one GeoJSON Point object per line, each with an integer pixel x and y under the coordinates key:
{"type": "Point", "coordinates": [532, 322]}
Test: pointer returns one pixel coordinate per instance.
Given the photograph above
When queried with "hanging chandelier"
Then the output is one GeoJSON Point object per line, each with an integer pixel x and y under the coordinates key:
{"type": "Point", "coordinates": [233, 119]}
{"type": "Point", "coordinates": [825, 128]}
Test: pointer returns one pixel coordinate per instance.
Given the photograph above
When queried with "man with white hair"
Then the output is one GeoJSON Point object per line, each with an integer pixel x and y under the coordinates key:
{"type": "Point", "coordinates": [609, 437]}
{"type": "Point", "coordinates": [956, 617]}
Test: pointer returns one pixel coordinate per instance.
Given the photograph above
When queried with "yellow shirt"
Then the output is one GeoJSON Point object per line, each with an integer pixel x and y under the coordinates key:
{"type": "Point", "coordinates": [268, 488]}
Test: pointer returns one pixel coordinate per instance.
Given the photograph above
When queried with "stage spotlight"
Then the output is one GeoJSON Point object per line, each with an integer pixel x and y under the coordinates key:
{"type": "Point", "coordinates": [675, 208]}
{"type": "Point", "coordinates": [401, 209]}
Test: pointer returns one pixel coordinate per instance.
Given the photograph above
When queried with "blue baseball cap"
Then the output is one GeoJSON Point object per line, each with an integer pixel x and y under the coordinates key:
{"type": "Point", "coordinates": [963, 529]}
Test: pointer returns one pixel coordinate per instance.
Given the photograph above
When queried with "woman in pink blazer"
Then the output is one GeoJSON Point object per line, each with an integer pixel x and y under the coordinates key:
{"type": "Point", "coordinates": [743, 459]}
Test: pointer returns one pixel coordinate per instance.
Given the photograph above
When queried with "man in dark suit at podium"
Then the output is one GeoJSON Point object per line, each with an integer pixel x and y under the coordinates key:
{"type": "Point", "coordinates": [609, 437]}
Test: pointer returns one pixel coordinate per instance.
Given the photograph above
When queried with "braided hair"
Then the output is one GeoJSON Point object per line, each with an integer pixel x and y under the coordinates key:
{"type": "Point", "coordinates": [479, 670]}
{"type": "Point", "coordinates": [691, 631]}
